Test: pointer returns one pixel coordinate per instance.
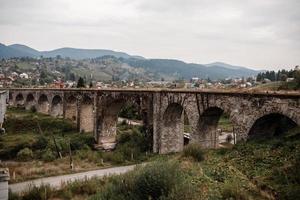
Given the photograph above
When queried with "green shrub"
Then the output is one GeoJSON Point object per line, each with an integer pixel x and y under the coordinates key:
{"type": "Point", "coordinates": [114, 157]}
{"type": "Point", "coordinates": [41, 143]}
{"type": "Point", "coordinates": [38, 192]}
{"type": "Point", "coordinates": [232, 190]}
{"type": "Point", "coordinates": [33, 109]}
{"type": "Point", "coordinates": [183, 191]}
{"type": "Point", "coordinates": [13, 196]}
{"type": "Point", "coordinates": [81, 140]}
{"type": "Point", "coordinates": [194, 151]}
{"type": "Point", "coordinates": [25, 154]}
{"type": "Point", "coordinates": [154, 181]}
{"type": "Point", "coordinates": [48, 156]}
{"type": "Point", "coordinates": [87, 186]}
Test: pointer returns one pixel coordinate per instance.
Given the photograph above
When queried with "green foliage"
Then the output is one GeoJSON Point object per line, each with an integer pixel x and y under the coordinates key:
{"type": "Point", "coordinates": [25, 154]}
{"type": "Point", "coordinates": [41, 143]}
{"type": "Point", "coordinates": [33, 109]}
{"type": "Point", "coordinates": [80, 141]}
{"type": "Point", "coordinates": [194, 151]}
{"type": "Point", "coordinates": [23, 132]}
{"type": "Point", "coordinates": [158, 180]}
{"type": "Point", "coordinates": [21, 121]}
{"type": "Point", "coordinates": [272, 163]}
{"type": "Point", "coordinates": [48, 155]}
{"type": "Point", "coordinates": [232, 190]}
{"type": "Point", "coordinates": [132, 144]}
{"type": "Point", "coordinates": [80, 83]}
{"type": "Point", "coordinates": [38, 192]}
{"type": "Point", "coordinates": [13, 196]}
{"type": "Point", "coordinates": [130, 111]}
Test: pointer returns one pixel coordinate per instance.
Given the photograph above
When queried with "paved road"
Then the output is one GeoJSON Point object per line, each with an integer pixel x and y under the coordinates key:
{"type": "Point", "coordinates": [56, 181]}
{"type": "Point", "coordinates": [130, 122]}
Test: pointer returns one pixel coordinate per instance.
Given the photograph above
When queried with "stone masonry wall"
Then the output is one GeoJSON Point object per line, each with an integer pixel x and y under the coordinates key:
{"type": "Point", "coordinates": [160, 114]}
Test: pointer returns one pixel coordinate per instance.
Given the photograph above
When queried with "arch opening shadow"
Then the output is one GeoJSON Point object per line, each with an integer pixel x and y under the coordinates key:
{"type": "Point", "coordinates": [29, 104]}
{"type": "Point", "coordinates": [271, 125]}
{"type": "Point", "coordinates": [207, 130]}
{"type": "Point", "coordinates": [19, 100]}
{"type": "Point", "coordinates": [118, 113]}
{"type": "Point", "coordinates": [10, 99]}
{"type": "Point", "coordinates": [56, 106]}
{"type": "Point", "coordinates": [43, 104]}
{"type": "Point", "coordinates": [108, 124]}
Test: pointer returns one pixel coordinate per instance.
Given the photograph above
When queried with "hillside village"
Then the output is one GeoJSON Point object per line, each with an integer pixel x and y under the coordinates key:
{"type": "Point", "coordinates": [110, 72]}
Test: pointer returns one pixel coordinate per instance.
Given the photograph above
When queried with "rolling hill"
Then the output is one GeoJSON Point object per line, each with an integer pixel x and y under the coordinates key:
{"type": "Point", "coordinates": [168, 67]}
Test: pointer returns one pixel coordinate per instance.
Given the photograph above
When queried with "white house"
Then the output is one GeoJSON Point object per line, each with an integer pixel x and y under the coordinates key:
{"type": "Point", "coordinates": [24, 75]}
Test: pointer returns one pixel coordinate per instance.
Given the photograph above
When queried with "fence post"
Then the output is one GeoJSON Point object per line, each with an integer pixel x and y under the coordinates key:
{"type": "Point", "coordinates": [4, 177]}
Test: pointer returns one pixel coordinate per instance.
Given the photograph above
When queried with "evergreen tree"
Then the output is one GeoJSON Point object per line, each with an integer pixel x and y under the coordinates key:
{"type": "Point", "coordinates": [72, 76]}
{"type": "Point", "coordinates": [80, 83]}
{"type": "Point", "coordinates": [259, 77]}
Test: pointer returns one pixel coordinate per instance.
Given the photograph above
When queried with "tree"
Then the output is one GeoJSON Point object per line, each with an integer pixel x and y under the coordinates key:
{"type": "Point", "coordinates": [72, 76]}
{"type": "Point", "coordinates": [297, 78]}
{"type": "Point", "coordinates": [259, 77]}
{"type": "Point", "coordinates": [282, 77]}
{"type": "Point", "coordinates": [80, 83]}
{"type": "Point", "coordinates": [272, 76]}
{"type": "Point", "coordinates": [43, 74]}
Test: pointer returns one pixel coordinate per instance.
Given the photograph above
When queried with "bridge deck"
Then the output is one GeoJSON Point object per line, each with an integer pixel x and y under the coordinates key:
{"type": "Point", "coordinates": [290, 94]}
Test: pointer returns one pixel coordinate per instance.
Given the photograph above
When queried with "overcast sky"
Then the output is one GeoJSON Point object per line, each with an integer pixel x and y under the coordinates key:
{"type": "Point", "coordinates": [254, 33]}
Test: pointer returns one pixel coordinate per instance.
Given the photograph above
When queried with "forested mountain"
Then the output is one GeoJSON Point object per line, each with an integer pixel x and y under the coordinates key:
{"type": "Point", "coordinates": [165, 68]}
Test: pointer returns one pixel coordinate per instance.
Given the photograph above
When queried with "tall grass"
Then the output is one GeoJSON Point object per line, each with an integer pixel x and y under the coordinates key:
{"type": "Point", "coordinates": [194, 151]}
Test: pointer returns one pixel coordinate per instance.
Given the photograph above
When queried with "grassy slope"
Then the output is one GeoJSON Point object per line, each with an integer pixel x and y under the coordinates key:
{"type": "Point", "coordinates": [275, 86]}
{"type": "Point", "coordinates": [265, 169]}
{"type": "Point", "coordinates": [23, 132]}
{"type": "Point", "coordinates": [257, 169]}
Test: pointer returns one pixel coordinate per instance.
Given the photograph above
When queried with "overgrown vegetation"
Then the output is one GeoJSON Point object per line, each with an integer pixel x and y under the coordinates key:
{"type": "Point", "coordinates": [43, 143]}
{"type": "Point", "coordinates": [194, 151]}
{"type": "Point", "coordinates": [263, 168]}
{"type": "Point", "coordinates": [258, 169]}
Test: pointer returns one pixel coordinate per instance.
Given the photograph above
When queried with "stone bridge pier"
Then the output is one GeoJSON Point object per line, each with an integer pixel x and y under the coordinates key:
{"type": "Point", "coordinates": [165, 111]}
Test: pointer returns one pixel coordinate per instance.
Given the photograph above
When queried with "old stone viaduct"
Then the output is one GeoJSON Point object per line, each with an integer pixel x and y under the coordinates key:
{"type": "Point", "coordinates": [163, 112]}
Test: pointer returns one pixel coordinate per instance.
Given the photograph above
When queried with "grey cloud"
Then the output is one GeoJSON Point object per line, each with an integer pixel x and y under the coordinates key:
{"type": "Point", "coordinates": [193, 30]}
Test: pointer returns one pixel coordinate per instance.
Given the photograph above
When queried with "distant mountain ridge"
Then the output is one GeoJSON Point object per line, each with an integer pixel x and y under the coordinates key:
{"type": "Point", "coordinates": [72, 53]}
{"type": "Point", "coordinates": [170, 67]}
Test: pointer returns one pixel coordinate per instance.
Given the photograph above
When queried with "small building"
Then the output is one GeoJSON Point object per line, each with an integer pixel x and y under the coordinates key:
{"type": "Point", "coordinates": [6, 81]}
{"type": "Point", "coordinates": [195, 79]}
{"type": "Point", "coordinates": [24, 76]}
{"type": "Point", "coordinates": [14, 75]}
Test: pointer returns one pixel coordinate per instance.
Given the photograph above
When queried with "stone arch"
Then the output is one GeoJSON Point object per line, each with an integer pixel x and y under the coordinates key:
{"type": "Point", "coordinates": [206, 130]}
{"type": "Point", "coordinates": [56, 106]}
{"type": "Point", "coordinates": [19, 99]}
{"type": "Point", "coordinates": [43, 104]}
{"type": "Point", "coordinates": [172, 129]}
{"type": "Point", "coordinates": [30, 101]}
{"type": "Point", "coordinates": [108, 123]}
{"type": "Point", "coordinates": [71, 108]}
{"type": "Point", "coordinates": [86, 114]}
{"type": "Point", "coordinates": [271, 124]}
